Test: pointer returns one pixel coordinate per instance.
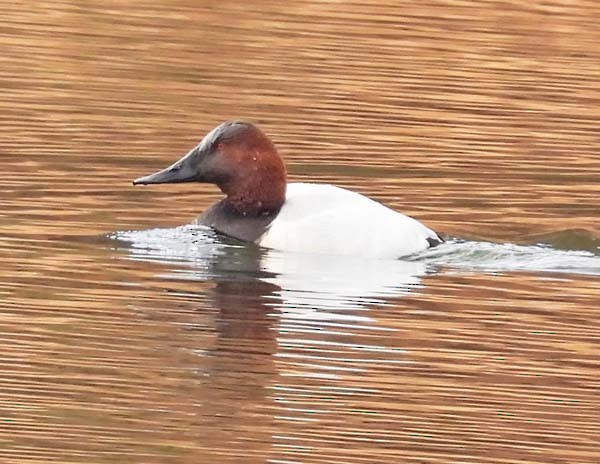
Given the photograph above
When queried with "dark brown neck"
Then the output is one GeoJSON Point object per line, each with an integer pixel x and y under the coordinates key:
{"type": "Point", "coordinates": [254, 199]}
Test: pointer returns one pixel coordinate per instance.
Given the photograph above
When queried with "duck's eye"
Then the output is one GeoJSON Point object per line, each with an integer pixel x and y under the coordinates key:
{"type": "Point", "coordinates": [220, 146]}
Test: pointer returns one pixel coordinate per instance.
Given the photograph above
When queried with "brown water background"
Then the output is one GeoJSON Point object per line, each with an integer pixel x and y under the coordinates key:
{"type": "Point", "coordinates": [479, 118]}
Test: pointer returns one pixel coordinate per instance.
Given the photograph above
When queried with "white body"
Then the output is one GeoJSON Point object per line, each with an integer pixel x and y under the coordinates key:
{"type": "Point", "coordinates": [321, 218]}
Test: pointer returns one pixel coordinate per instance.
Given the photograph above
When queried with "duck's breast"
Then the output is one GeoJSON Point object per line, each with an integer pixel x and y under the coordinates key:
{"type": "Point", "coordinates": [320, 218]}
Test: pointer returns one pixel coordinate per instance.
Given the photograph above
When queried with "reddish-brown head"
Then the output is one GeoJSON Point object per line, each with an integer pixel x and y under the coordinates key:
{"type": "Point", "coordinates": [241, 160]}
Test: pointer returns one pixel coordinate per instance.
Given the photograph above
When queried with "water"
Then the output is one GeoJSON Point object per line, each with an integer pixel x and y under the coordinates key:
{"type": "Point", "coordinates": [128, 335]}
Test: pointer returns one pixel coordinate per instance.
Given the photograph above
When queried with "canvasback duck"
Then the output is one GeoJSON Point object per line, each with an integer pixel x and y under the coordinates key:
{"type": "Point", "coordinates": [260, 207]}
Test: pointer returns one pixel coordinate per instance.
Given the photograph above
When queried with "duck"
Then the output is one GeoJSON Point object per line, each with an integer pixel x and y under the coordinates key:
{"type": "Point", "coordinates": [261, 207]}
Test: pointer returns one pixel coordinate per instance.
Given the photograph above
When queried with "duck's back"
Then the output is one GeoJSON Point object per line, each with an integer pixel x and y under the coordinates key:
{"type": "Point", "coordinates": [320, 218]}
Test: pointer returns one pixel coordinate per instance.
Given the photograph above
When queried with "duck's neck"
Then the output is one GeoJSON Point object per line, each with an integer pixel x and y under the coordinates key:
{"type": "Point", "coordinates": [255, 197]}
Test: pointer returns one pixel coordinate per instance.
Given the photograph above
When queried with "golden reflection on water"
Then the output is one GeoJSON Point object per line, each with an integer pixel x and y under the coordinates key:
{"type": "Point", "coordinates": [479, 118]}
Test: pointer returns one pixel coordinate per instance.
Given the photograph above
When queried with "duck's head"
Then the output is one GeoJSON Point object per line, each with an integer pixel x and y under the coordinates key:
{"type": "Point", "coordinates": [241, 160]}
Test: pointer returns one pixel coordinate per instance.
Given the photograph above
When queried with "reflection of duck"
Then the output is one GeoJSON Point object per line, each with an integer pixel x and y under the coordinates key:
{"type": "Point", "coordinates": [309, 218]}
{"type": "Point", "coordinates": [289, 280]}
{"type": "Point", "coordinates": [272, 326]}
{"type": "Point", "coordinates": [319, 282]}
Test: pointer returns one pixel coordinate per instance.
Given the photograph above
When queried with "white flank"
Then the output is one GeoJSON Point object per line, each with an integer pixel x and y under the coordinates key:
{"type": "Point", "coordinates": [324, 219]}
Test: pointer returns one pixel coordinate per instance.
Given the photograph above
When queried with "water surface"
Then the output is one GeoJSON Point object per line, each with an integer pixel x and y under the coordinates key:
{"type": "Point", "coordinates": [129, 336]}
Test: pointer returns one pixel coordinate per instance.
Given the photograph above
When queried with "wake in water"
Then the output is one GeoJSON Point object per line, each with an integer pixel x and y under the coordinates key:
{"type": "Point", "coordinates": [322, 286]}
{"type": "Point", "coordinates": [509, 257]}
{"type": "Point", "coordinates": [305, 282]}
{"type": "Point", "coordinates": [192, 243]}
